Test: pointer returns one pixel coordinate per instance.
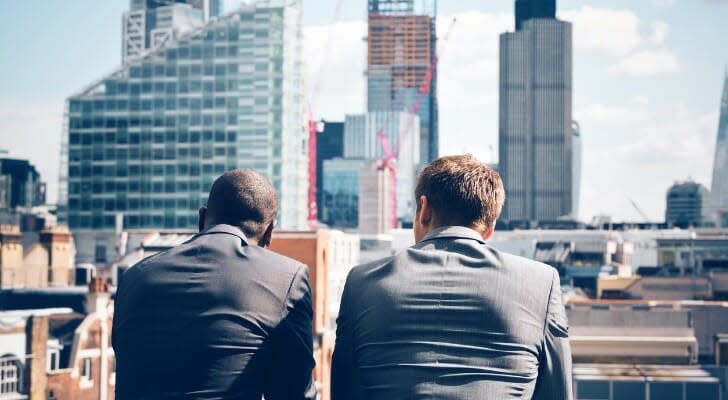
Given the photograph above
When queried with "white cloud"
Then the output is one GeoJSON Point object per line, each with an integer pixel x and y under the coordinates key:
{"type": "Point", "coordinates": [604, 29]}
{"type": "Point", "coordinates": [659, 33]}
{"type": "Point", "coordinates": [647, 63]}
{"type": "Point", "coordinates": [601, 113]}
{"type": "Point", "coordinates": [335, 61]}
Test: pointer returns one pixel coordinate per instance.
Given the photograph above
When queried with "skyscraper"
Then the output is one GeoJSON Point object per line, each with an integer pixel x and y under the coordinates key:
{"type": "Point", "coordinates": [719, 187]}
{"type": "Point", "coordinates": [401, 45]}
{"type": "Point", "coordinates": [535, 119]}
{"type": "Point", "coordinates": [149, 23]}
{"type": "Point", "coordinates": [147, 141]}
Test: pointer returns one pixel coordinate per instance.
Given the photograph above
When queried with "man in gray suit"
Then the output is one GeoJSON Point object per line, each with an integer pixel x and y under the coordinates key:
{"type": "Point", "coordinates": [451, 317]}
{"type": "Point", "coordinates": [218, 317]}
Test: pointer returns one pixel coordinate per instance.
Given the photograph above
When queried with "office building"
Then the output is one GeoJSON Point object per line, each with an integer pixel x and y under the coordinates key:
{"type": "Point", "coordinates": [145, 143]}
{"type": "Point", "coordinates": [401, 45]}
{"type": "Point", "coordinates": [535, 119]}
{"type": "Point", "coordinates": [339, 207]}
{"type": "Point", "coordinates": [401, 130]}
{"type": "Point", "coordinates": [375, 205]}
{"type": "Point", "coordinates": [719, 188]}
{"type": "Point", "coordinates": [150, 23]}
{"type": "Point", "coordinates": [687, 205]}
{"type": "Point", "coordinates": [329, 145]}
{"type": "Point", "coordinates": [20, 185]}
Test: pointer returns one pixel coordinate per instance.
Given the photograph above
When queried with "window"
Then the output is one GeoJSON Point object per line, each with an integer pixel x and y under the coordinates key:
{"type": "Point", "coordinates": [53, 360]}
{"type": "Point", "coordinates": [9, 376]}
{"type": "Point", "coordinates": [86, 369]}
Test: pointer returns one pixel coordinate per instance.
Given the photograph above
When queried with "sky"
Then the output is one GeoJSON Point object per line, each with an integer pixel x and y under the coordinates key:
{"type": "Point", "coordinates": [648, 76]}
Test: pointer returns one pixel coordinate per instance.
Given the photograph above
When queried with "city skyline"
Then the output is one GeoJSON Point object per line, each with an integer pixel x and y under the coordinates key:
{"type": "Point", "coordinates": [647, 121]}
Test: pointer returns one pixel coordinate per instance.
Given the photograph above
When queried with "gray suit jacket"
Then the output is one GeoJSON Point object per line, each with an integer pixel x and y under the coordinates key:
{"type": "Point", "coordinates": [214, 318]}
{"type": "Point", "coordinates": [452, 318]}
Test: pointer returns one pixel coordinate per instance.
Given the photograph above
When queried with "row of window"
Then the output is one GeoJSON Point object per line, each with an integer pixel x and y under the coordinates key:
{"type": "Point", "coordinates": [134, 204]}
{"type": "Point", "coordinates": [146, 137]}
{"type": "Point", "coordinates": [133, 221]}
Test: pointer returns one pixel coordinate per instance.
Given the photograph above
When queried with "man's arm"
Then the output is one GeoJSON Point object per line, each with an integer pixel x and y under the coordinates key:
{"type": "Point", "coordinates": [290, 376]}
{"type": "Point", "coordinates": [344, 382]}
{"type": "Point", "coordinates": [554, 373]}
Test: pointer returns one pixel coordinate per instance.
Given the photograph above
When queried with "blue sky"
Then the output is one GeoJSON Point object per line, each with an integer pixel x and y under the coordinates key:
{"type": "Point", "coordinates": [647, 82]}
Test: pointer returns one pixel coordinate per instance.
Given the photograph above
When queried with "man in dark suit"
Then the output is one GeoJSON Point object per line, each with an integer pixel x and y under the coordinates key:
{"type": "Point", "coordinates": [451, 317]}
{"type": "Point", "coordinates": [219, 316]}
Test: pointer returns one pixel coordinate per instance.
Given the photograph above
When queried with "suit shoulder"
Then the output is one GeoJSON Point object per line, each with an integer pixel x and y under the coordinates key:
{"type": "Point", "coordinates": [526, 264]}
{"type": "Point", "coordinates": [361, 270]}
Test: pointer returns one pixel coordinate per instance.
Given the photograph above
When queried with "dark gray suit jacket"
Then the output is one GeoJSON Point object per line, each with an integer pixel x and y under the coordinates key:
{"type": "Point", "coordinates": [214, 318]}
{"type": "Point", "coordinates": [452, 318]}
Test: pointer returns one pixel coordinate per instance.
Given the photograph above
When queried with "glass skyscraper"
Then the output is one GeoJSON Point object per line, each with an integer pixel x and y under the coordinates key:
{"type": "Point", "coordinates": [145, 143]}
{"type": "Point", "coordinates": [719, 187]}
{"type": "Point", "coordinates": [535, 118]}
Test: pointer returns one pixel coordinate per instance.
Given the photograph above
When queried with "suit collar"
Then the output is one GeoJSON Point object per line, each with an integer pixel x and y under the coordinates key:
{"type": "Point", "coordinates": [225, 229]}
{"type": "Point", "coordinates": [453, 232]}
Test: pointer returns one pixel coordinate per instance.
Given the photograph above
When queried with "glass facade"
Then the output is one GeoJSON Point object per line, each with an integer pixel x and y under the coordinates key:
{"type": "Point", "coordinates": [340, 194]}
{"type": "Point", "coordinates": [148, 140]}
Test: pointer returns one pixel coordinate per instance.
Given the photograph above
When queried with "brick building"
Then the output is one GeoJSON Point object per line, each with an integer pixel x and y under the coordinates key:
{"type": "Point", "coordinates": [47, 263]}
{"type": "Point", "coordinates": [57, 353]}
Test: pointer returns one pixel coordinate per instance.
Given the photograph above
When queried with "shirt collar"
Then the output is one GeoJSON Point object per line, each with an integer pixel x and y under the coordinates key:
{"type": "Point", "coordinates": [225, 229]}
{"type": "Point", "coordinates": [453, 232]}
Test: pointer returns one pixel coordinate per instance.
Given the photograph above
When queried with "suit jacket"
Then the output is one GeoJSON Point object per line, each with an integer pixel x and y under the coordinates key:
{"type": "Point", "coordinates": [452, 318]}
{"type": "Point", "coordinates": [214, 318]}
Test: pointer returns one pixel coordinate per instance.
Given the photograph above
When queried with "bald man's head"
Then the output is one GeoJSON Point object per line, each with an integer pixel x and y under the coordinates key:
{"type": "Point", "coordinates": [242, 198]}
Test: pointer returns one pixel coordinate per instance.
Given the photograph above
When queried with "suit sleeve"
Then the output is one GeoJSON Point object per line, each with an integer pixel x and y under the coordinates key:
{"type": "Point", "coordinates": [126, 380]}
{"type": "Point", "coordinates": [344, 380]}
{"type": "Point", "coordinates": [555, 375]}
{"type": "Point", "coordinates": [292, 362]}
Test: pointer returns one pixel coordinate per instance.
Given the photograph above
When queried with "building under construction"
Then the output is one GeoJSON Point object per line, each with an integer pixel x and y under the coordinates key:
{"type": "Point", "coordinates": [401, 46]}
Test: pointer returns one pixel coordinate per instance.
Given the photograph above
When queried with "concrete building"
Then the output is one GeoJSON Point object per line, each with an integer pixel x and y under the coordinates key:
{"type": "Point", "coordinates": [46, 263]}
{"type": "Point", "coordinates": [535, 119]}
{"type": "Point", "coordinates": [144, 144]}
{"type": "Point", "coordinates": [719, 188]}
{"type": "Point", "coordinates": [58, 353]}
{"type": "Point", "coordinates": [361, 141]}
{"type": "Point", "coordinates": [375, 200]}
{"type": "Point", "coordinates": [401, 45]}
{"type": "Point", "coordinates": [687, 205]}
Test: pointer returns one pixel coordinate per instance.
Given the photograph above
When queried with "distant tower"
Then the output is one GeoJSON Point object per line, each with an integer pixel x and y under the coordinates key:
{"type": "Point", "coordinates": [576, 170]}
{"type": "Point", "coordinates": [401, 44]}
{"type": "Point", "coordinates": [687, 203]}
{"type": "Point", "coordinates": [149, 23]}
{"type": "Point", "coordinates": [719, 188]}
{"type": "Point", "coordinates": [535, 120]}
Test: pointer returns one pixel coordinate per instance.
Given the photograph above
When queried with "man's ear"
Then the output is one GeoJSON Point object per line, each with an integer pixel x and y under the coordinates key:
{"type": "Point", "coordinates": [201, 221]}
{"type": "Point", "coordinates": [267, 237]}
{"type": "Point", "coordinates": [425, 212]}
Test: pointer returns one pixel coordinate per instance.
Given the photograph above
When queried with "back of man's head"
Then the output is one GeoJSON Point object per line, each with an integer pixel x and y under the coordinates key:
{"type": "Point", "coordinates": [242, 198]}
{"type": "Point", "coordinates": [461, 191]}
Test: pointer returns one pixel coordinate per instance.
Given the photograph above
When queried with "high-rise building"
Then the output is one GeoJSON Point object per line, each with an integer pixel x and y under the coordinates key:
{"type": "Point", "coordinates": [150, 23]}
{"type": "Point", "coordinates": [576, 174]}
{"type": "Point", "coordinates": [374, 207]}
{"type": "Point", "coordinates": [401, 46]}
{"type": "Point", "coordinates": [401, 129]}
{"type": "Point", "coordinates": [146, 142]}
{"type": "Point", "coordinates": [719, 187]}
{"type": "Point", "coordinates": [532, 9]}
{"type": "Point", "coordinates": [535, 120]}
{"type": "Point", "coordinates": [329, 145]}
{"type": "Point", "coordinates": [340, 193]}
{"type": "Point", "coordinates": [20, 184]}
{"type": "Point", "coordinates": [687, 205]}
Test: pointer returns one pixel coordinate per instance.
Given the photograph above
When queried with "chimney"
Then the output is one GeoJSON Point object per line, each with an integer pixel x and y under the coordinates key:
{"type": "Point", "coordinates": [36, 347]}
{"type": "Point", "coordinates": [98, 297]}
{"type": "Point", "coordinates": [11, 257]}
{"type": "Point", "coordinates": [58, 242]}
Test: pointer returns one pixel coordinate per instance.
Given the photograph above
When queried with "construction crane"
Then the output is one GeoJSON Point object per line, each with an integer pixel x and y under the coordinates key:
{"type": "Point", "coordinates": [391, 153]}
{"type": "Point", "coordinates": [639, 210]}
{"type": "Point", "coordinates": [313, 127]}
